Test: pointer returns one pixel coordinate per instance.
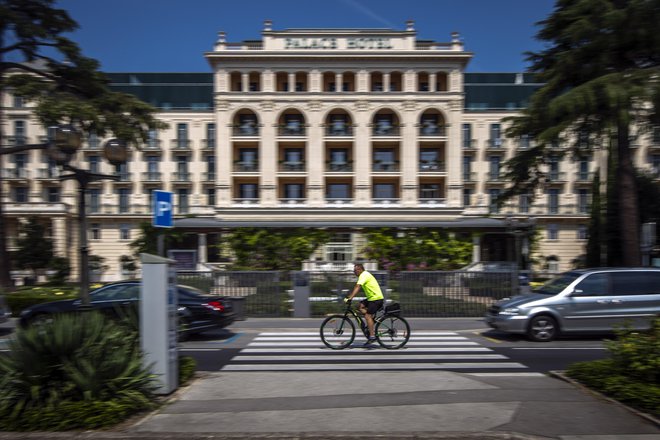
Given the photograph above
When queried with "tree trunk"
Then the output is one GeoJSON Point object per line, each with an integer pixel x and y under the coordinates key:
{"type": "Point", "coordinates": [628, 199]}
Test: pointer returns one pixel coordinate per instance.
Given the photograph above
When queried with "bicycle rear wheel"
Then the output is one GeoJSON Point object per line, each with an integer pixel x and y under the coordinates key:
{"type": "Point", "coordinates": [337, 332]}
{"type": "Point", "coordinates": [392, 332]}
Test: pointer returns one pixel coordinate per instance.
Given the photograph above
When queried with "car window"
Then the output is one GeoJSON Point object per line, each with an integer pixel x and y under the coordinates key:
{"type": "Point", "coordinates": [130, 291]}
{"type": "Point", "coordinates": [108, 293]}
{"type": "Point", "coordinates": [635, 283]}
{"type": "Point", "coordinates": [593, 285]}
{"type": "Point", "coordinates": [556, 285]}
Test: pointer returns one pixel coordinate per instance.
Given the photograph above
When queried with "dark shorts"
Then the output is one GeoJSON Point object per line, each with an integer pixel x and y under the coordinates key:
{"type": "Point", "coordinates": [372, 306]}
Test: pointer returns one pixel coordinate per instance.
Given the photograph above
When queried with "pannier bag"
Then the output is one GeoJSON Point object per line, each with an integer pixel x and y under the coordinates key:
{"type": "Point", "coordinates": [393, 309]}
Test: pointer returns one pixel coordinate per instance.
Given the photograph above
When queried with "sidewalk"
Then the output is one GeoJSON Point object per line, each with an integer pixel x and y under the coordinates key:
{"type": "Point", "coordinates": [384, 405]}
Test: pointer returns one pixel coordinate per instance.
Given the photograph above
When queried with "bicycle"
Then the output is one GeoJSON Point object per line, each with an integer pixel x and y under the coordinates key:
{"type": "Point", "coordinates": [391, 330]}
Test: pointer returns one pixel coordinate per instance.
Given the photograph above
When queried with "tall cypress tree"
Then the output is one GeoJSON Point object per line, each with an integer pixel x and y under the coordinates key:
{"type": "Point", "coordinates": [600, 71]}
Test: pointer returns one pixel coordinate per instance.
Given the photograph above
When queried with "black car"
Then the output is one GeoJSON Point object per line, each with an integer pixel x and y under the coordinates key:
{"type": "Point", "coordinates": [197, 311]}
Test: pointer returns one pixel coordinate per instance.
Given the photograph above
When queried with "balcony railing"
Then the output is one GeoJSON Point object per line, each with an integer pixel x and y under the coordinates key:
{"type": "Point", "coordinates": [584, 176]}
{"type": "Point", "coordinates": [180, 144]}
{"type": "Point", "coordinates": [339, 166]}
{"type": "Point", "coordinates": [123, 177]}
{"type": "Point", "coordinates": [495, 178]}
{"type": "Point", "coordinates": [250, 167]}
{"type": "Point", "coordinates": [292, 130]}
{"type": "Point", "coordinates": [292, 166]}
{"type": "Point", "coordinates": [245, 130]}
{"type": "Point", "coordinates": [15, 141]}
{"type": "Point", "coordinates": [16, 173]}
{"type": "Point", "coordinates": [209, 176]}
{"type": "Point", "coordinates": [385, 130]}
{"type": "Point", "coordinates": [557, 176]}
{"type": "Point", "coordinates": [432, 130]}
{"type": "Point", "coordinates": [151, 176]}
{"type": "Point", "coordinates": [386, 166]}
{"type": "Point", "coordinates": [180, 176]}
{"type": "Point", "coordinates": [495, 143]}
{"type": "Point", "coordinates": [470, 177]}
{"type": "Point", "coordinates": [432, 166]}
{"type": "Point", "coordinates": [469, 144]}
{"type": "Point", "coordinates": [48, 173]}
{"type": "Point", "coordinates": [339, 201]}
{"type": "Point", "coordinates": [152, 145]}
{"type": "Point", "coordinates": [338, 130]}
{"type": "Point", "coordinates": [208, 144]}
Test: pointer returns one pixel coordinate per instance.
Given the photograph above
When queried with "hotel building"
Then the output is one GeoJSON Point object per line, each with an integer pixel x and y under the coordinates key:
{"type": "Point", "coordinates": [343, 129]}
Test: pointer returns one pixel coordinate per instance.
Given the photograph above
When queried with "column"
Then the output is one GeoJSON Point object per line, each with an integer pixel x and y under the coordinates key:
{"type": "Point", "coordinates": [386, 82]}
{"type": "Point", "coordinates": [202, 255]}
{"type": "Point", "coordinates": [245, 82]}
{"type": "Point", "coordinates": [339, 79]}
{"type": "Point", "coordinates": [292, 82]}
{"type": "Point", "coordinates": [433, 82]}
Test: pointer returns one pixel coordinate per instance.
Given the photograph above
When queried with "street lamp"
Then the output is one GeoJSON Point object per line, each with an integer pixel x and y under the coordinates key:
{"type": "Point", "coordinates": [63, 147]}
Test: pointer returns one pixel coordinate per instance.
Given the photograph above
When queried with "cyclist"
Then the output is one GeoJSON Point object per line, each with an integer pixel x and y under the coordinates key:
{"type": "Point", "coordinates": [374, 301]}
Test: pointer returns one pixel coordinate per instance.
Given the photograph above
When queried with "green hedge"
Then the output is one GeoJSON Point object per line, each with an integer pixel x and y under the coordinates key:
{"type": "Point", "coordinates": [28, 296]}
{"type": "Point", "coordinates": [632, 374]}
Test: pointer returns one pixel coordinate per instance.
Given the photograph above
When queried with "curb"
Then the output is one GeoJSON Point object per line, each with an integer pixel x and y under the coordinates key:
{"type": "Point", "coordinates": [562, 376]}
{"type": "Point", "coordinates": [104, 435]}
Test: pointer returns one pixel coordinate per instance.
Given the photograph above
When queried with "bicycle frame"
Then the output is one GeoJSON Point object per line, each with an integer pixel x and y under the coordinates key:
{"type": "Point", "coordinates": [362, 322]}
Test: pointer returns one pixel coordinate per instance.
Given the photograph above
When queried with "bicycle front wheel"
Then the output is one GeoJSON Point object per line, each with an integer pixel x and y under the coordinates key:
{"type": "Point", "coordinates": [392, 332]}
{"type": "Point", "coordinates": [337, 332]}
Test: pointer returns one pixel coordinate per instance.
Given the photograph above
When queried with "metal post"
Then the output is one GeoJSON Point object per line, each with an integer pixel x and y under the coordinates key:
{"type": "Point", "coordinates": [82, 230]}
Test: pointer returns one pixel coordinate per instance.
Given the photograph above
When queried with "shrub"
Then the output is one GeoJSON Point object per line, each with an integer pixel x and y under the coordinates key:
{"type": "Point", "coordinates": [78, 372]}
{"type": "Point", "coordinates": [632, 373]}
{"type": "Point", "coordinates": [27, 296]}
{"type": "Point", "coordinates": [187, 366]}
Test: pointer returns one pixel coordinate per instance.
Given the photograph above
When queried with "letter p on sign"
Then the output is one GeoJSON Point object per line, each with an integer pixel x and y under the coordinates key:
{"type": "Point", "coordinates": [163, 209]}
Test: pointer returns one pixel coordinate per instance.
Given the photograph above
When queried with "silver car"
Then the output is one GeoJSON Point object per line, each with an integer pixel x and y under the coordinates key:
{"type": "Point", "coordinates": [581, 301]}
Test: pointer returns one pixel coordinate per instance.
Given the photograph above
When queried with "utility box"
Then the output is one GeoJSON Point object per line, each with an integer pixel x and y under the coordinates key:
{"type": "Point", "coordinates": [158, 320]}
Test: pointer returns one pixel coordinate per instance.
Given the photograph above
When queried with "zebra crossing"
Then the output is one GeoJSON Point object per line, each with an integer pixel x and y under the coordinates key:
{"type": "Point", "coordinates": [426, 350]}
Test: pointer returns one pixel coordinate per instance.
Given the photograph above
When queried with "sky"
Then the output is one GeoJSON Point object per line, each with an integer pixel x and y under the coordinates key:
{"type": "Point", "coordinates": [173, 35]}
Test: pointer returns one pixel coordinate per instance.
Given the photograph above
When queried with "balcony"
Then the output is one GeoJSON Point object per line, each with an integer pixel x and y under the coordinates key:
{"type": "Point", "coordinates": [431, 129]}
{"type": "Point", "coordinates": [245, 130]}
{"type": "Point", "coordinates": [15, 173]}
{"type": "Point", "coordinates": [209, 177]}
{"type": "Point", "coordinates": [556, 177]}
{"type": "Point", "coordinates": [48, 173]}
{"type": "Point", "coordinates": [16, 141]}
{"type": "Point", "coordinates": [496, 144]}
{"type": "Point", "coordinates": [431, 166]}
{"type": "Point", "coordinates": [339, 167]}
{"type": "Point", "coordinates": [152, 145]}
{"type": "Point", "coordinates": [494, 178]}
{"type": "Point", "coordinates": [246, 166]}
{"type": "Point", "coordinates": [180, 144]}
{"type": "Point", "coordinates": [383, 129]}
{"type": "Point", "coordinates": [432, 201]}
{"type": "Point", "coordinates": [470, 177]}
{"type": "Point", "coordinates": [387, 167]}
{"type": "Point", "coordinates": [336, 129]}
{"type": "Point", "coordinates": [151, 176]}
{"type": "Point", "coordinates": [123, 177]}
{"type": "Point", "coordinates": [292, 166]}
{"type": "Point", "coordinates": [293, 128]}
{"type": "Point", "coordinates": [208, 144]}
{"type": "Point", "coordinates": [180, 176]}
{"type": "Point", "coordinates": [469, 145]}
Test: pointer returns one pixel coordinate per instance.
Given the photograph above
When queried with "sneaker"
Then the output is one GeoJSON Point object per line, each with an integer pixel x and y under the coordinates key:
{"type": "Point", "coordinates": [370, 340]}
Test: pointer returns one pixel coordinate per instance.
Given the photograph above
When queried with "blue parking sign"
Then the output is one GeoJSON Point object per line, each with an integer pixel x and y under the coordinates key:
{"type": "Point", "coordinates": [163, 209]}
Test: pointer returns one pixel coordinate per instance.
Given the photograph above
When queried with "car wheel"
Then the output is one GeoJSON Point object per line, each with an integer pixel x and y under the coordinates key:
{"type": "Point", "coordinates": [542, 328]}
